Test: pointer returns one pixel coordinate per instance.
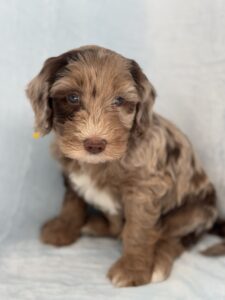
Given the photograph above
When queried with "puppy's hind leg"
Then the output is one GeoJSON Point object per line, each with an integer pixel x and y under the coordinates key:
{"type": "Point", "coordinates": [166, 251]}
{"type": "Point", "coordinates": [192, 217]}
{"type": "Point", "coordinates": [217, 249]}
{"type": "Point", "coordinates": [181, 228]}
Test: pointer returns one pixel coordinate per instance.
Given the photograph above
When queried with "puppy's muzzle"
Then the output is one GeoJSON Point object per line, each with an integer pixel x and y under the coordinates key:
{"type": "Point", "coordinates": [94, 145]}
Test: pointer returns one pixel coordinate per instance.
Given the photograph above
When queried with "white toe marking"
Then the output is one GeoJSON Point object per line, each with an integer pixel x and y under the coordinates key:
{"type": "Point", "coordinates": [115, 280]}
{"type": "Point", "coordinates": [118, 282]}
{"type": "Point", "coordinates": [121, 284]}
{"type": "Point", "coordinates": [158, 276]}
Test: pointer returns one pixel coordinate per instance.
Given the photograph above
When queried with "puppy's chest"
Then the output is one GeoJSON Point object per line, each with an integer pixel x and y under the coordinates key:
{"type": "Point", "coordinates": [100, 198]}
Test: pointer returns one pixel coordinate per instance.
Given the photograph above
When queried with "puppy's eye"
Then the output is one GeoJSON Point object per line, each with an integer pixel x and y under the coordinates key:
{"type": "Point", "coordinates": [118, 101]}
{"type": "Point", "coordinates": [73, 98]}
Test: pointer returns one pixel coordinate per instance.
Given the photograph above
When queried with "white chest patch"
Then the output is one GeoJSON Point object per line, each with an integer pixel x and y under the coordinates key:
{"type": "Point", "coordinates": [101, 199]}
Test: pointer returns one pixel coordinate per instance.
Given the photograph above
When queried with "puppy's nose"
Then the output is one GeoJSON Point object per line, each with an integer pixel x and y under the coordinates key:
{"type": "Point", "coordinates": [95, 145]}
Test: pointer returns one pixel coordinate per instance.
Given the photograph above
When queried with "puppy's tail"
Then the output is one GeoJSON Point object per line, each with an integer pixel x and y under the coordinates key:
{"type": "Point", "coordinates": [218, 249]}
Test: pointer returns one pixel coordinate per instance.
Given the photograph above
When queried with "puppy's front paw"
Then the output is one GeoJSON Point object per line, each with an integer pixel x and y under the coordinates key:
{"type": "Point", "coordinates": [122, 274]}
{"type": "Point", "coordinates": [59, 232]}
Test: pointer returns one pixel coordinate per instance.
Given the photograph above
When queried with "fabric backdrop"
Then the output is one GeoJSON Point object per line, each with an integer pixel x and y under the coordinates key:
{"type": "Point", "coordinates": [181, 46]}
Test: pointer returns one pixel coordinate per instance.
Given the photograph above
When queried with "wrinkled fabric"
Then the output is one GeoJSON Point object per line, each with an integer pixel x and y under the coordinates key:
{"type": "Point", "coordinates": [181, 47]}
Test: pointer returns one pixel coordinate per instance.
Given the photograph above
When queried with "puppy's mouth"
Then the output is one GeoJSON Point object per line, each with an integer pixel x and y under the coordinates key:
{"type": "Point", "coordinates": [94, 150]}
{"type": "Point", "coordinates": [96, 159]}
{"type": "Point", "coordinates": [92, 158]}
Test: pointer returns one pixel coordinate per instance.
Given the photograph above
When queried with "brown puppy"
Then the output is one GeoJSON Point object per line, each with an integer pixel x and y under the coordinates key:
{"type": "Point", "coordinates": [136, 167]}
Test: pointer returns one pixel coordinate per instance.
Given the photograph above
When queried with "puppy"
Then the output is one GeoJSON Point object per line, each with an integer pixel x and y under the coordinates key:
{"type": "Point", "coordinates": [119, 156]}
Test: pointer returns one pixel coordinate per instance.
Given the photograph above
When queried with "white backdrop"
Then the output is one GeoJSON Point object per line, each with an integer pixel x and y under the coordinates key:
{"type": "Point", "coordinates": [181, 46]}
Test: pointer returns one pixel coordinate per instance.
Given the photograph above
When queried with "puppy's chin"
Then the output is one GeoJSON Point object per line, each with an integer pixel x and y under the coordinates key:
{"type": "Point", "coordinates": [77, 152]}
{"type": "Point", "coordinates": [93, 158]}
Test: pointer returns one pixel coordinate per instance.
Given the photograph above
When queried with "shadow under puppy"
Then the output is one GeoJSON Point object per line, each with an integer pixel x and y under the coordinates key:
{"type": "Point", "coordinates": [133, 165]}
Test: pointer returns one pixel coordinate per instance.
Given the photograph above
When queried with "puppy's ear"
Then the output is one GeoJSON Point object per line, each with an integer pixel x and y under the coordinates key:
{"type": "Point", "coordinates": [38, 90]}
{"type": "Point", "coordinates": [147, 95]}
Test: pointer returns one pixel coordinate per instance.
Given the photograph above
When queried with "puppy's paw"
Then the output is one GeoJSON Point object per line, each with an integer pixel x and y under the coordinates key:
{"type": "Point", "coordinates": [88, 230]}
{"type": "Point", "coordinates": [100, 226]}
{"type": "Point", "coordinates": [59, 232]}
{"type": "Point", "coordinates": [123, 275]}
{"type": "Point", "coordinates": [96, 226]}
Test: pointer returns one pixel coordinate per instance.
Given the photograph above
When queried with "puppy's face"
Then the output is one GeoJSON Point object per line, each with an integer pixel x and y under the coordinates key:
{"type": "Point", "coordinates": [93, 100]}
{"type": "Point", "coordinates": [94, 104]}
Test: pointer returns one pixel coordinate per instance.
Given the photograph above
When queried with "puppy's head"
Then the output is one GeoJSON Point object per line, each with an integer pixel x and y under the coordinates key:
{"type": "Point", "coordinates": [94, 99]}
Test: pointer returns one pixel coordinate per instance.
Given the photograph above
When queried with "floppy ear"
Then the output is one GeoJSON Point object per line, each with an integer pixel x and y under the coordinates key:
{"type": "Point", "coordinates": [147, 95]}
{"type": "Point", "coordinates": [38, 90]}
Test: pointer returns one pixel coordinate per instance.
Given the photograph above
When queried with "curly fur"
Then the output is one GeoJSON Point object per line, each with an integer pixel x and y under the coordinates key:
{"type": "Point", "coordinates": [148, 183]}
